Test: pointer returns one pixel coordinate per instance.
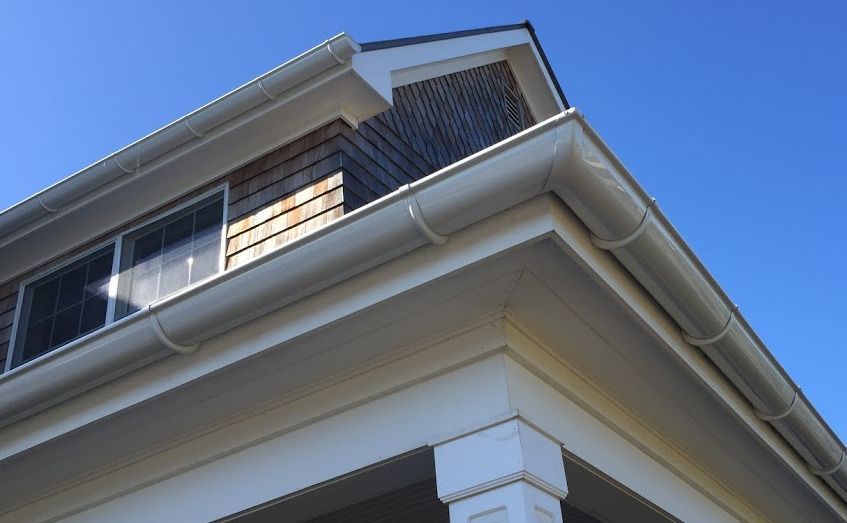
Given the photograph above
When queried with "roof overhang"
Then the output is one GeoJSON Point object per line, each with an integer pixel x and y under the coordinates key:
{"type": "Point", "coordinates": [561, 157]}
{"type": "Point", "coordinates": [338, 79]}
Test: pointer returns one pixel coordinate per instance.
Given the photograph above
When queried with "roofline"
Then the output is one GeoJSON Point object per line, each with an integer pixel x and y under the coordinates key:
{"type": "Point", "coordinates": [525, 24]}
{"type": "Point", "coordinates": [192, 127]}
{"type": "Point", "coordinates": [563, 156]}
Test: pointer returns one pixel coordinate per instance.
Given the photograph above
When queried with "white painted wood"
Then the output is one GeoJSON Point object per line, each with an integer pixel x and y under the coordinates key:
{"type": "Point", "coordinates": [505, 473]}
{"type": "Point", "coordinates": [509, 451]}
{"type": "Point", "coordinates": [518, 502]}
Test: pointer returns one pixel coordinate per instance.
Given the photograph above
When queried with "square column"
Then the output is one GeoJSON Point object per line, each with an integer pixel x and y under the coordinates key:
{"type": "Point", "coordinates": [506, 473]}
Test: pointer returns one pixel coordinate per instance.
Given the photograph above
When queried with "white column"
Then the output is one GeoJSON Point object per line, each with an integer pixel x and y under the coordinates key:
{"type": "Point", "coordinates": [507, 473]}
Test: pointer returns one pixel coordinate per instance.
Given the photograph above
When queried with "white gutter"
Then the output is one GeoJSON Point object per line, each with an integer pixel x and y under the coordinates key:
{"type": "Point", "coordinates": [194, 126]}
{"type": "Point", "coordinates": [562, 155]}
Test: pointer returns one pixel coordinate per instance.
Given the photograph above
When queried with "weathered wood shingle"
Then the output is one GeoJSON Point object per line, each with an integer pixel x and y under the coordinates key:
{"type": "Point", "coordinates": [333, 170]}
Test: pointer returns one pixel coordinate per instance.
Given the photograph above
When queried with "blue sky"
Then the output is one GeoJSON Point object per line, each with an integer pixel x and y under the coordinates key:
{"type": "Point", "coordinates": [732, 114]}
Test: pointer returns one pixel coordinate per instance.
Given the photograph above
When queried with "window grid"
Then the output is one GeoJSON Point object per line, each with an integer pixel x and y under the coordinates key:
{"type": "Point", "coordinates": [105, 289]}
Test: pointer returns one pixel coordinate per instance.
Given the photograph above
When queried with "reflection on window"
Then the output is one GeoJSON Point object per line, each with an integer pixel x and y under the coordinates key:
{"type": "Point", "coordinates": [64, 305]}
{"type": "Point", "coordinates": [170, 254]}
{"type": "Point", "coordinates": [86, 294]}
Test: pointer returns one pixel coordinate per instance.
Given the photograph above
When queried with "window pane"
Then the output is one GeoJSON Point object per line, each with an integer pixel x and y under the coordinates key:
{"type": "Point", "coordinates": [147, 247]}
{"type": "Point", "coordinates": [99, 274]}
{"type": "Point", "coordinates": [44, 300]}
{"type": "Point", "coordinates": [174, 276]}
{"type": "Point", "coordinates": [37, 338]}
{"type": "Point", "coordinates": [168, 255]}
{"type": "Point", "coordinates": [93, 314]}
{"type": "Point", "coordinates": [210, 217]}
{"type": "Point", "coordinates": [66, 325]}
{"type": "Point", "coordinates": [71, 287]}
{"type": "Point", "coordinates": [54, 312]}
{"type": "Point", "coordinates": [178, 238]}
{"type": "Point", "coordinates": [205, 261]}
{"type": "Point", "coordinates": [144, 289]}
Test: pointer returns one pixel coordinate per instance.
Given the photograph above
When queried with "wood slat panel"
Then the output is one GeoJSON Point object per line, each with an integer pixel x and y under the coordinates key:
{"type": "Point", "coordinates": [294, 181]}
{"type": "Point", "coordinates": [7, 318]}
{"type": "Point", "coordinates": [448, 118]}
{"type": "Point", "coordinates": [8, 303]}
{"type": "Point", "coordinates": [286, 220]}
{"type": "Point", "coordinates": [286, 204]}
{"type": "Point", "coordinates": [285, 153]}
{"type": "Point", "coordinates": [5, 334]}
{"type": "Point", "coordinates": [285, 237]}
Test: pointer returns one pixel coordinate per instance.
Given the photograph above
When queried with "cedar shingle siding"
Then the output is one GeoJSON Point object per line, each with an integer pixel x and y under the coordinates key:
{"type": "Point", "coordinates": [335, 169]}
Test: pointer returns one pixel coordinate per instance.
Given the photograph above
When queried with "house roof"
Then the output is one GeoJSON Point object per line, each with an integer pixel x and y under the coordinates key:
{"type": "Point", "coordinates": [614, 208]}
{"type": "Point", "coordinates": [526, 24]}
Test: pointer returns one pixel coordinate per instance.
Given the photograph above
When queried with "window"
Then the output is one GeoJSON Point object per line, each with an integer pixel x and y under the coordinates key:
{"type": "Point", "coordinates": [116, 280]}
{"type": "Point", "coordinates": [64, 305]}
{"type": "Point", "coordinates": [169, 254]}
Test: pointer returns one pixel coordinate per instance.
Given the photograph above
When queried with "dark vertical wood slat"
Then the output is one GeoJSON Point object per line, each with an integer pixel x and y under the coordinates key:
{"type": "Point", "coordinates": [442, 118]}
{"type": "Point", "coordinates": [485, 107]}
{"type": "Point", "coordinates": [422, 167]}
{"type": "Point", "coordinates": [412, 126]}
{"type": "Point", "coordinates": [480, 126]}
{"type": "Point", "coordinates": [426, 123]}
{"type": "Point", "coordinates": [449, 109]}
{"type": "Point", "coordinates": [400, 161]}
{"type": "Point", "coordinates": [494, 90]}
{"type": "Point", "coordinates": [453, 119]}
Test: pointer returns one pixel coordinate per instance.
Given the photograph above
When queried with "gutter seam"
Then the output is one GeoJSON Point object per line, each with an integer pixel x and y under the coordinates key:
{"type": "Point", "coordinates": [609, 245]}
{"type": "Point", "coordinates": [332, 52]}
{"type": "Point", "coordinates": [776, 417]}
{"type": "Point", "coordinates": [163, 338]}
{"type": "Point", "coordinates": [262, 88]}
{"type": "Point", "coordinates": [194, 131]}
{"type": "Point", "coordinates": [46, 207]}
{"type": "Point", "coordinates": [121, 167]}
{"type": "Point", "coordinates": [702, 342]}
{"type": "Point", "coordinates": [418, 218]}
{"type": "Point", "coordinates": [828, 472]}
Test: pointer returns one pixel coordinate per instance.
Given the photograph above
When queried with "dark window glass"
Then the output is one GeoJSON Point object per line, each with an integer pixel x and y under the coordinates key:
{"type": "Point", "coordinates": [168, 255]}
{"type": "Point", "coordinates": [44, 300]}
{"type": "Point", "coordinates": [64, 305]}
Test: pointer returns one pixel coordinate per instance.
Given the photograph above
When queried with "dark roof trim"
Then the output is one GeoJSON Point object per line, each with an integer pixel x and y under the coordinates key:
{"type": "Point", "coordinates": [526, 24]}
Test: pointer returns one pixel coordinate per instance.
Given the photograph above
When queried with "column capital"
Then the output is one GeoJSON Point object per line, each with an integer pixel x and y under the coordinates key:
{"type": "Point", "coordinates": [509, 452]}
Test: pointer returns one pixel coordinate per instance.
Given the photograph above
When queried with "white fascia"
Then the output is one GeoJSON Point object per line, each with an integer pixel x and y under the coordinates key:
{"type": "Point", "coordinates": [561, 155]}
{"type": "Point", "coordinates": [300, 95]}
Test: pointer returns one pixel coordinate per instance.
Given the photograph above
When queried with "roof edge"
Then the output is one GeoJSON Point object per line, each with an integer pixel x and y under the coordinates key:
{"type": "Point", "coordinates": [525, 24]}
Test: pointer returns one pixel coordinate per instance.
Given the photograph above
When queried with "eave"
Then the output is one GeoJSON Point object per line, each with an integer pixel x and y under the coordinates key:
{"type": "Point", "coordinates": [562, 156]}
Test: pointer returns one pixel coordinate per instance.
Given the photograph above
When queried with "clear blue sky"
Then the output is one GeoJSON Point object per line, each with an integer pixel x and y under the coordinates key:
{"type": "Point", "coordinates": [732, 114]}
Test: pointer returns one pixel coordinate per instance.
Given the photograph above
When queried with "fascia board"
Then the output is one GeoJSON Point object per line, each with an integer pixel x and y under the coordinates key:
{"type": "Point", "coordinates": [201, 126]}
{"type": "Point", "coordinates": [338, 93]}
{"type": "Point", "coordinates": [561, 155]}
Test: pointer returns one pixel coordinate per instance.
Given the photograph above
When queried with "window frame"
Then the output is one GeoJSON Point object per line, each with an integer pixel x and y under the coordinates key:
{"type": "Point", "coordinates": [118, 240]}
{"type": "Point", "coordinates": [168, 216]}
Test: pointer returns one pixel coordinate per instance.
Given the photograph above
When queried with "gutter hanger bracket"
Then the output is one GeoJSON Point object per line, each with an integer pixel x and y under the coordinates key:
{"type": "Point", "coordinates": [265, 92]}
{"type": "Point", "coordinates": [420, 222]}
{"type": "Point", "coordinates": [830, 471]}
{"type": "Point", "coordinates": [784, 414]}
{"type": "Point", "coordinates": [45, 206]}
{"type": "Point", "coordinates": [702, 342]}
{"type": "Point", "coordinates": [163, 338]}
{"type": "Point", "coordinates": [332, 52]}
{"type": "Point", "coordinates": [194, 131]}
{"type": "Point", "coordinates": [609, 245]}
{"type": "Point", "coordinates": [121, 167]}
